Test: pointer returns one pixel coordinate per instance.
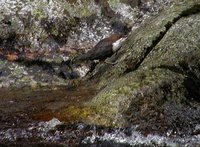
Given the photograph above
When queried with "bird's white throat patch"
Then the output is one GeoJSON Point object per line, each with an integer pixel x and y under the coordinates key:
{"type": "Point", "coordinates": [117, 44]}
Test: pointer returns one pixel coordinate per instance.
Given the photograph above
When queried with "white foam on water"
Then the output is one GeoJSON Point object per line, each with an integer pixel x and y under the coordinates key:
{"type": "Point", "coordinates": [46, 126]}
{"type": "Point", "coordinates": [138, 139]}
{"type": "Point", "coordinates": [134, 138]}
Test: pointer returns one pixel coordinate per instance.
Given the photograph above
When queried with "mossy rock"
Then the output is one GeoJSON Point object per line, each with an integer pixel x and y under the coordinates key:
{"type": "Point", "coordinates": [157, 74]}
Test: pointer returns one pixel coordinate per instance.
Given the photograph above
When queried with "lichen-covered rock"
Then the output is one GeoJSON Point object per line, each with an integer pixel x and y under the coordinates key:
{"type": "Point", "coordinates": [47, 25]}
{"type": "Point", "coordinates": [6, 31]}
{"type": "Point", "coordinates": [39, 23]}
{"type": "Point", "coordinates": [18, 76]}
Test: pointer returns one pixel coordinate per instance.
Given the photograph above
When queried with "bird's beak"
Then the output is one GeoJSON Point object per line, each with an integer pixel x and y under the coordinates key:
{"type": "Point", "coordinates": [124, 38]}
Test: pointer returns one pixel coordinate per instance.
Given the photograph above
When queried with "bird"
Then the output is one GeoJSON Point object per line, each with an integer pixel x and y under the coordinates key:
{"type": "Point", "coordinates": [103, 49]}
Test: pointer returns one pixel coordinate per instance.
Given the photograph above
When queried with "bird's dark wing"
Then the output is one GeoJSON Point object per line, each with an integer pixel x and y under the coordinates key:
{"type": "Point", "coordinates": [82, 57]}
{"type": "Point", "coordinates": [101, 51]}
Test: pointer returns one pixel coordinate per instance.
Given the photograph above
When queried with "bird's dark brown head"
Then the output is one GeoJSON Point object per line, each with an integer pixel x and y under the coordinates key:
{"type": "Point", "coordinates": [114, 37]}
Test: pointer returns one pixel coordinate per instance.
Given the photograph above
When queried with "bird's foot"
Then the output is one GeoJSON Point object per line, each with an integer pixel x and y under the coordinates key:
{"type": "Point", "coordinates": [111, 63]}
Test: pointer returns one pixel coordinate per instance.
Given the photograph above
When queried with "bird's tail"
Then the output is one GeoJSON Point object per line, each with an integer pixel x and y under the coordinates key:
{"type": "Point", "coordinates": [80, 58]}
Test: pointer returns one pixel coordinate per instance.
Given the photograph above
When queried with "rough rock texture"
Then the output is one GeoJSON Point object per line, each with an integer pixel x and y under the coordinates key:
{"type": "Point", "coordinates": [20, 75]}
{"type": "Point", "coordinates": [156, 80]}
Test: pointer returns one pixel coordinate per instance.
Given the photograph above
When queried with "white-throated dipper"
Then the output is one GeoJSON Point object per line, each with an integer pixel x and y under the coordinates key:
{"type": "Point", "coordinates": [103, 49]}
